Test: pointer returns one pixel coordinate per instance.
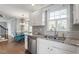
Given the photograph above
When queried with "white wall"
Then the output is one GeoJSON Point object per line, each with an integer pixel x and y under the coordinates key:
{"type": "Point", "coordinates": [9, 28]}
{"type": "Point", "coordinates": [12, 27]}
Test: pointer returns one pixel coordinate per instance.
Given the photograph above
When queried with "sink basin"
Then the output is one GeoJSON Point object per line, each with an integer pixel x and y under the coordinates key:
{"type": "Point", "coordinates": [59, 39]}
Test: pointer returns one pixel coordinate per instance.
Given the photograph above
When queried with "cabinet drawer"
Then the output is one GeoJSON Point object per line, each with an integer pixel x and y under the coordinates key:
{"type": "Point", "coordinates": [42, 46]}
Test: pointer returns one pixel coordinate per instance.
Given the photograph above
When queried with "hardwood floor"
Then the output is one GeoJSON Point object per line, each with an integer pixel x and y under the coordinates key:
{"type": "Point", "coordinates": [12, 47]}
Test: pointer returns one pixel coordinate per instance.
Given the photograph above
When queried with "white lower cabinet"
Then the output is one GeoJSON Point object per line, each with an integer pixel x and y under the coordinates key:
{"type": "Point", "coordinates": [51, 47]}
{"type": "Point", "coordinates": [42, 46]}
{"type": "Point", "coordinates": [55, 50]}
{"type": "Point", "coordinates": [77, 51]}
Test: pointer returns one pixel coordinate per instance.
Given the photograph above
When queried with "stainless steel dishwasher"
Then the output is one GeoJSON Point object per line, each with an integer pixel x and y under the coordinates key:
{"type": "Point", "coordinates": [32, 44]}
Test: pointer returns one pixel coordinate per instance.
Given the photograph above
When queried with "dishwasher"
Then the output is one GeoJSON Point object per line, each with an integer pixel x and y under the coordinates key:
{"type": "Point", "coordinates": [32, 44]}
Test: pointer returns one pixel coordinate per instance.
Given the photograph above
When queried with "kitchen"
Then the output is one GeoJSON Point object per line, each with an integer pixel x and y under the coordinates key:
{"type": "Point", "coordinates": [55, 29]}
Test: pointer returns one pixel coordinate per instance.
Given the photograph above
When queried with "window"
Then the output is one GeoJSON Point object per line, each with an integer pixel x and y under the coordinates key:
{"type": "Point", "coordinates": [57, 20]}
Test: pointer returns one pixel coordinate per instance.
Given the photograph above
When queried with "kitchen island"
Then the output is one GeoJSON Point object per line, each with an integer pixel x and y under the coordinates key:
{"type": "Point", "coordinates": [53, 46]}
{"type": "Point", "coordinates": [46, 45]}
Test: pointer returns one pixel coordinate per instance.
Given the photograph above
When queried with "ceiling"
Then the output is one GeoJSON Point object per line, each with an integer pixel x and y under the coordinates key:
{"type": "Point", "coordinates": [17, 10]}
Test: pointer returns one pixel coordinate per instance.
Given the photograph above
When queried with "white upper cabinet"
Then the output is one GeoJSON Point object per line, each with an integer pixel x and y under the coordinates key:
{"type": "Point", "coordinates": [38, 18]}
{"type": "Point", "coordinates": [76, 14]}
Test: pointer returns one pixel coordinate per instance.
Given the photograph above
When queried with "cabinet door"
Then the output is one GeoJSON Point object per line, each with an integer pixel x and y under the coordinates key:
{"type": "Point", "coordinates": [36, 18]}
{"type": "Point", "coordinates": [42, 49]}
{"type": "Point", "coordinates": [77, 51]}
{"type": "Point", "coordinates": [42, 46]}
{"type": "Point", "coordinates": [76, 14]}
{"type": "Point", "coordinates": [55, 50]}
{"type": "Point", "coordinates": [43, 17]}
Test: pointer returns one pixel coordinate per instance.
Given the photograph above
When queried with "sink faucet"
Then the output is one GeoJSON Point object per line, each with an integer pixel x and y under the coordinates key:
{"type": "Point", "coordinates": [55, 34]}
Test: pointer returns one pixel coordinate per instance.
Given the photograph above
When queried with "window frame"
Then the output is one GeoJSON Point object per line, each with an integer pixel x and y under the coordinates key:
{"type": "Point", "coordinates": [48, 17]}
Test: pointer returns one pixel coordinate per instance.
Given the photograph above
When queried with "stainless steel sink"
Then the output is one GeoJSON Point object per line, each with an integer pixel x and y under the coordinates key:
{"type": "Point", "coordinates": [58, 39]}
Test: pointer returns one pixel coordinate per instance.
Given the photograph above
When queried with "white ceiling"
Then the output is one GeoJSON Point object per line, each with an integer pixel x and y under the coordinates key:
{"type": "Point", "coordinates": [17, 10]}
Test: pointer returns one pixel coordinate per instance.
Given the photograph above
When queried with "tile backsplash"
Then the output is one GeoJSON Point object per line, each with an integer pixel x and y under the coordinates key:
{"type": "Point", "coordinates": [72, 33]}
{"type": "Point", "coordinates": [38, 30]}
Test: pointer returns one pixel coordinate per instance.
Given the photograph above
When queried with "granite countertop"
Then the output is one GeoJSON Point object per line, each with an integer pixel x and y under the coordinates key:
{"type": "Point", "coordinates": [41, 36]}
{"type": "Point", "coordinates": [72, 41]}
{"type": "Point", "coordinates": [68, 40]}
